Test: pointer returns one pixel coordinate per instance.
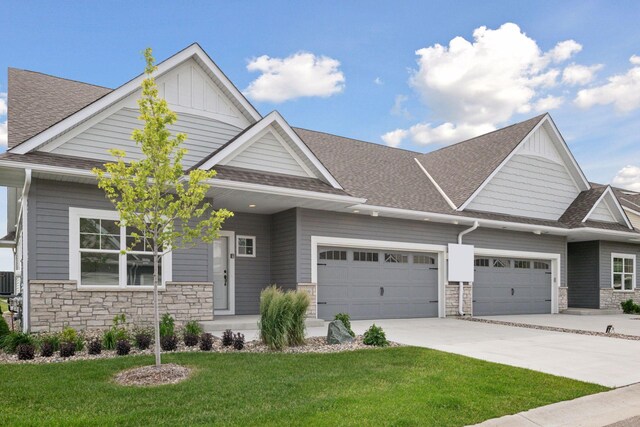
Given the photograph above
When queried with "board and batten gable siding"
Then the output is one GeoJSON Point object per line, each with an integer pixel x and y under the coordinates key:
{"type": "Point", "coordinates": [583, 268]}
{"type": "Point", "coordinates": [334, 224]}
{"type": "Point", "coordinates": [204, 135]}
{"type": "Point", "coordinates": [606, 249]}
{"type": "Point", "coordinates": [49, 203]}
{"type": "Point", "coordinates": [268, 154]}
{"type": "Point", "coordinates": [283, 249]}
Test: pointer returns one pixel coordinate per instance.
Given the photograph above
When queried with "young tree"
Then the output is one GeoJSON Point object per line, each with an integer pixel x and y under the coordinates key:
{"type": "Point", "coordinates": [153, 195]}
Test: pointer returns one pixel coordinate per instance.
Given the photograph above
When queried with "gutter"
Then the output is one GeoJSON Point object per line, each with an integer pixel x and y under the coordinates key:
{"type": "Point", "coordinates": [475, 225]}
{"type": "Point", "coordinates": [25, 251]}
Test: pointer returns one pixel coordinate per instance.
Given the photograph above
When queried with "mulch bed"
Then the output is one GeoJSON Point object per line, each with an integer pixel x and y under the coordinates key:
{"type": "Point", "coordinates": [153, 375]}
{"type": "Point", "coordinates": [553, 328]}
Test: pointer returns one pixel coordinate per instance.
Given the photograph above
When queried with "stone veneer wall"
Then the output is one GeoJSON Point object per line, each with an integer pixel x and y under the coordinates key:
{"type": "Point", "coordinates": [563, 302]}
{"type": "Point", "coordinates": [312, 290]}
{"type": "Point", "coordinates": [59, 303]}
{"type": "Point", "coordinates": [610, 299]}
{"type": "Point", "coordinates": [451, 292]}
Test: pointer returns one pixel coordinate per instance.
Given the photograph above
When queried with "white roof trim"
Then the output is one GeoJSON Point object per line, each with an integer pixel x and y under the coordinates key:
{"type": "Point", "coordinates": [631, 210]}
{"type": "Point", "coordinates": [558, 138]}
{"type": "Point", "coordinates": [273, 117]}
{"type": "Point", "coordinates": [612, 196]}
{"type": "Point", "coordinates": [126, 89]}
{"type": "Point", "coordinates": [433, 181]}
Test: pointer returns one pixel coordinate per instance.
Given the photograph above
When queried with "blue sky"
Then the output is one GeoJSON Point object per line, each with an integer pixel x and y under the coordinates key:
{"type": "Point", "coordinates": [364, 77]}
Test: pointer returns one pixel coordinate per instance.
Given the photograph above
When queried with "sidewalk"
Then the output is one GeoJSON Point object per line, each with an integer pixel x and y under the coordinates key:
{"type": "Point", "coordinates": [621, 406]}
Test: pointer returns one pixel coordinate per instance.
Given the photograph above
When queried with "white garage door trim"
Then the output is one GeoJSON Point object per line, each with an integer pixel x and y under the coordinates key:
{"type": "Point", "coordinates": [545, 256]}
{"type": "Point", "coordinates": [381, 244]}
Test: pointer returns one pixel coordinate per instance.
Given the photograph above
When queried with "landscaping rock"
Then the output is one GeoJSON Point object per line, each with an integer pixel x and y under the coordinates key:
{"type": "Point", "coordinates": [338, 333]}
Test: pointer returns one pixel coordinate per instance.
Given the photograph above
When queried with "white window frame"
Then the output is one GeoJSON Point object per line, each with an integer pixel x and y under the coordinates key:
{"type": "Point", "coordinates": [633, 275]}
{"type": "Point", "coordinates": [74, 252]}
{"type": "Point", "coordinates": [238, 254]}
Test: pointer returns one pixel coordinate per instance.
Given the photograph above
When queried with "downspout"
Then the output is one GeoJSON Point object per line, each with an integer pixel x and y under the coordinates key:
{"type": "Point", "coordinates": [461, 284]}
{"type": "Point", "coordinates": [25, 252]}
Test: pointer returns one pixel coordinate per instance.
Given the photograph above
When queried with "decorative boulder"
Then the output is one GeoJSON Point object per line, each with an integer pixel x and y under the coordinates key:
{"type": "Point", "coordinates": [338, 333]}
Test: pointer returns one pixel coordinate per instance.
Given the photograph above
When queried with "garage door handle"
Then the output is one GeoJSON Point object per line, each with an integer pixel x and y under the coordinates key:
{"type": "Point", "coordinates": [433, 268]}
{"type": "Point", "coordinates": [321, 302]}
{"type": "Point", "coordinates": [321, 264]}
{"type": "Point", "coordinates": [512, 291]}
{"type": "Point", "coordinates": [547, 300]}
{"type": "Point", "coordinates": [381, 291]}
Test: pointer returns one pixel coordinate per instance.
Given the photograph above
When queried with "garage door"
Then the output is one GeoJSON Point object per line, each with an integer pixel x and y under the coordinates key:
{"type": "Point", "coordinates": [511, 286]}
{"type": "Point", "coordinates": [377, 284]}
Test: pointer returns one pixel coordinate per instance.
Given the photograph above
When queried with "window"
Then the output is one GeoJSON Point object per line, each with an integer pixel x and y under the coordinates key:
{"type": "Point", "coordinates": [365, 256]}
{"type": "Point", "coordinates": [396, 258]}
{"type": "Point", "coordinates": [423, 259]}
{"type": "Point", "coordinates": [98, 254]}
{"type": "Point", "coordinates": [246, 246]}
{"type": "Point", "coordinates": [521, 264]}
{"type": "Point", "coordinates": [482, 262]}
{"type": "Point", "coordinates": [502, 263]}
{"type": "Point", "coordinates": [334, 255]}
{"type": "Point", "coordinates": [540, 265]}
{"type": "Point", "coordinates": [623, 272]}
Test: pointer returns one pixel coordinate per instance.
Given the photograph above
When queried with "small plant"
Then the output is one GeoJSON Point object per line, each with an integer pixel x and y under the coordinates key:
{"type": "Point", "coordinates": [193, 327]}
{"type": "Point", "coordinates": [94, 347]}
{"type": "Point", "coordinates": [47, 349]}
{"type": "Point", "coordinates": [70, 335]}
{"type": "Point", "coordinates": [11, 342]}
{"type": "Point", "coordinates": [169, 342]}
{"type": "Point", "coordinates": [143, 340]}
{"type": "Point", "coordinates": [117, 332]}
{"type": "Point", "coordinates": [206, 342]}
{"type": "Point", "coordinates": [346, 321]}
{"type": "Point", "coordinates": [167, 325]}
{"type": "Point", "coordinates": [123, 347]}
{"type": "Point", "coordinates": [238, 341]}
{"type": "Point", "coordinates": [190, 339]}
{"type": "Point", "coordinates": [26, 351]}
{"type": "Point", "coordinates": [227, 338]}
{"type": "Point", "coordinates": [67, 349]}
{"type": "Point", "coordinates": [375, 336]}
{"type": "Point", "coordinates": [629, 307]}
{"type": "Point", "coordinates": [53, 340]}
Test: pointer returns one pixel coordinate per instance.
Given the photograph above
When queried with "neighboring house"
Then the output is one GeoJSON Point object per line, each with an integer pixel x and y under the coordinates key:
{"type": "Point", "coordinates": [363, 227]}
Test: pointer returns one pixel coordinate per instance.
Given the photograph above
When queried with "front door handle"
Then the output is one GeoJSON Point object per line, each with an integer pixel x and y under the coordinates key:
{"type": "Point", "coordinates": [225, 277]}
{"type": "Point", "coordinates": [381, 291]}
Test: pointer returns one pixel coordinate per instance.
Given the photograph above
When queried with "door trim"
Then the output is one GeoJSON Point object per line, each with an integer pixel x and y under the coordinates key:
{"type": "Point", "coordinates": [231, 267]}
{"type": "Point", "coordinates": [555, 259]}
{"type": "Point", "coordinates": [343, 242]}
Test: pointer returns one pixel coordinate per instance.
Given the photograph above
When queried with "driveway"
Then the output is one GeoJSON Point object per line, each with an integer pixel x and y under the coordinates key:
{"type": "Point", "coordinates": [611, 362]}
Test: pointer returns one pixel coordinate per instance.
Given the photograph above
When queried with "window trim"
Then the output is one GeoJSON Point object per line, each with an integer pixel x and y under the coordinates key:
{"type": "Point", "coordinates": [633, 275]}
{"type": "Point", "coordinates": [238, 254]}
{"type": "Point", "coordinates": [74, 253]}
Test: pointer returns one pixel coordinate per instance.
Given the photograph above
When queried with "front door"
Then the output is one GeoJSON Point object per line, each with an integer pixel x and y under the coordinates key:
{"type": "Point", "coordinates": [223, 273]}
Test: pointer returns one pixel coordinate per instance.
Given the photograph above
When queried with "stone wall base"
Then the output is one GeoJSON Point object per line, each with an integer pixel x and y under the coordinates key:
{"type": "Point", "coordinates": [56, 304]}
{"type": "Point", "coordinates": [451, 292]}
{"type": "Point", "coordinates": [610, 299]}
{"type": "Point", "coordinates": [312, 290]}
{"type": "Point", "coordinates": [563, 302]}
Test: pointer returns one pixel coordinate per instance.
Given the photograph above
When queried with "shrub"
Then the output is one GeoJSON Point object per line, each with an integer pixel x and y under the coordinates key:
{"type": "Point", "coordinates": [117, 332]}
{"type": "Point", "coordinates": [67, 349]}
{"type": "Point", "coordinates": [299, 305]}
{"type": "Point", "coordinates": [167, 325]}
{"type": "Point", "coordinates": [26, 351]}
{"type": "Point", "coordinates": [123, 347]}
{"type": "Point", "coordinates": [94, 347]}
{"type": "Point", "coordinates": [206, 342]}
{"type": "Point", "coordinates": [143, 340]}
{"type": "Point", "coordinates": [629, 307]}
{"type": "Point", "coordinates": [193, 327]}
{"type": "Point", "coordinates": [227, 338]}
{"type": "Point", "coordinates": [346, 321]}
{"type": "Point", "coordinates": [71, 336]}
{"type": "Point", "coordinates": [47, 349]}
{"type": "Point", "coordinates": [11, 342]}
{"type": "Point", "coordinates": [79, 343]}
{"type": "Point", "coordinates": [190, 339]}
{"type": "Point", "coordinates": [238, 341]}
{"type": "Point", "coordinates": [375, 336]}
{"type": "Point", "coordinates": [53, 340]}
{"type": "Point", "coordinates": [168, 342]}
{"type": "Point", "coordinates": [282, 317]}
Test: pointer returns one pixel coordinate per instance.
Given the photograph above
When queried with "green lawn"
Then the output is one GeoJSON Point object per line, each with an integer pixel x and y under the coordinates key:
{"type": "Point", "coordinates": [3, 305]}
{"type": "Point", "coordinates": [399, 386]}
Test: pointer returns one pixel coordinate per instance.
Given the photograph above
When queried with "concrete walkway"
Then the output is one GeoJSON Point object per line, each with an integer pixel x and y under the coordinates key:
{"type": "Point", "coordinates": [620, 407]}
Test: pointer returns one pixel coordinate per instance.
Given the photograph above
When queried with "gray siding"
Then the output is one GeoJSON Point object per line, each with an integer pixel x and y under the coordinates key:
{"type": "Point", "coordinates": [321, 223]}
{"type": "Point", "coordinates": [283, 249]}
{"type": "Point", "coordinates": [606, 248]}
{"type": "Point", "coordinates": [267, 154]}
{"type": "Point", "coordinates": [583, 267]}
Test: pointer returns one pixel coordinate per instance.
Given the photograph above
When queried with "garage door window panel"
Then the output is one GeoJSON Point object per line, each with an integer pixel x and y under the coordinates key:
{"type": "Point", "coordinates": [502, 263]}
{"type": "Point", "coordinates": [424, 259]}
{"type": "Point", "coordinates": [623, 272]}
{"type": "Point", "coordinates": [396, 258]}
{"type": "Point", "coordinates": [522, 264]}
{"type": "Point", "coordinates": [365, 256]}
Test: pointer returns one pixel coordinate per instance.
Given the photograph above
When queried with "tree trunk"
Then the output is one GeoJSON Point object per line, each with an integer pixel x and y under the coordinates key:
{"type": "Point", "coordinates": [156, 314]}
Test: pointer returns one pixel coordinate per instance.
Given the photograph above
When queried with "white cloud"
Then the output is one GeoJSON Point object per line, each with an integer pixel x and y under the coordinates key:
{"type": "Point", "coordinates": [3, 135]}
{"type": "Point", "coordinates": [628, 177]}
{"type": "Point", "coordinates": [576, 74]}
{"type": "Point", "coordinates": [398, 108]}
{"type": "Point", "coordinates": [621, 90]}
{"type": "Point", "coordinates": [300, 75]}
{"type": "Point", "coordinates": [548, 103]}
{"type": "Point", "coordinates": [378, 81]}
{"type": "Point", "coordinates": [3, 103]}
{"type": "Point", "coordinates": [395, 137]}
{"type": "Point", "coordinates": [476, 85]}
